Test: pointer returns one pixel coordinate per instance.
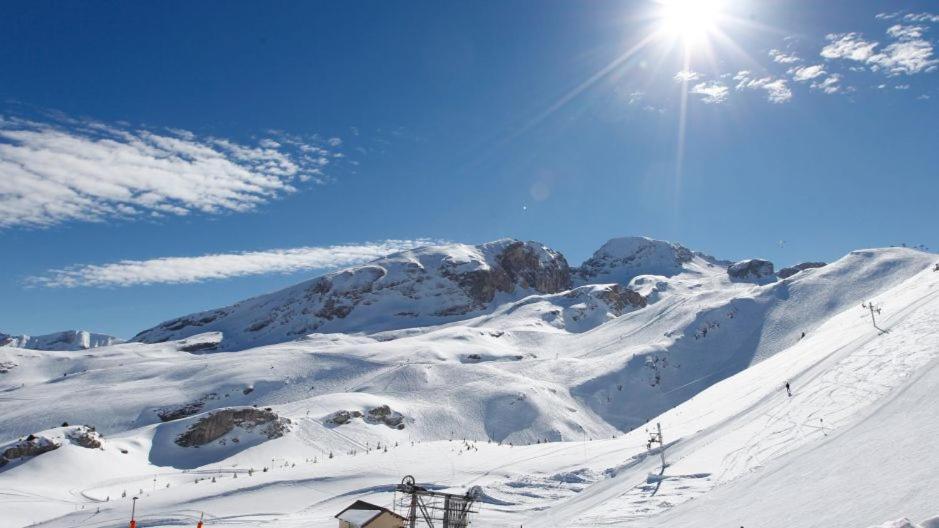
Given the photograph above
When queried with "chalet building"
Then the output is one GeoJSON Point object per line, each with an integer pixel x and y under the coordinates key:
{"type": "Point", "coordinates": [362, 514]}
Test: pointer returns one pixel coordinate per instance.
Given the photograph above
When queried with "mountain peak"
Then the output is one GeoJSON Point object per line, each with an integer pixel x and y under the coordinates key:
{"type": "Point", "coordinates": [424, 286]}
{"type": "Point", "coordinates": [621, 259]}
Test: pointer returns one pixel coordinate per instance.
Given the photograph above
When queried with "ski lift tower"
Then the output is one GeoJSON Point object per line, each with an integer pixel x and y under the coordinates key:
{"type": "Point", "coordinates": [431, 509]}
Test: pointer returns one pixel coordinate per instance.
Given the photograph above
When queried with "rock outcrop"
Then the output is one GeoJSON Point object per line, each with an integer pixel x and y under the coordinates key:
{"type": "Point", "coordinates": [785, 273]}
{"type": "Point", "coordinates": [750, 269]}
{"type": "Point", "coordinates": [31, 446]}
{"type": "Point", "coordinates": [383, 414]}
{"type": "Point", "coordinates": [424, 286]}
{"type": "Point", "coordinates": [621, 299]}
{"type": "Point", "coordinates": [168, 414]}
{"type": "Point", "coordinates": [84, 436]}
{"type": "Point", "coordinates": [219, 423]}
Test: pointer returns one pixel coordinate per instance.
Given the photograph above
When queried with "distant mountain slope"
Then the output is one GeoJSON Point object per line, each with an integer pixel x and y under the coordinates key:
{"type": "Point", "coordinates": [66, 340]}
{"type": "Point", "coordinates": [420, 287]}
{"type": "Point", "coordinates": [620, 260]}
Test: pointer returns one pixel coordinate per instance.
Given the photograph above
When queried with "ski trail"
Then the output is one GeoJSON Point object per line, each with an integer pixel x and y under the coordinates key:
{"type": "Point", "coordinates": [828, 394]}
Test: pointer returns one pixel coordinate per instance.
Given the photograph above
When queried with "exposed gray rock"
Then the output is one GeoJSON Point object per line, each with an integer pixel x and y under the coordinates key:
{"type": "Point", "coordinates": [30, 447]}
{"type": "Point", "coordinates": [383, 414]}
{"type": "Point", "coordinates": [222, 422]}
{"type": "Point", "coordinates": [343, 417]}
{"type": "Point", "coordinates": [620, 298]}
{"type": "Point", "coordinates": [84, 436]}
{"type": "Point", "coordinates": [200, 343]}
{"type": "Point", "coordinates": [750, 269]}
{"type": "Point", "coordinates": [175, 413]}
{"type": "Point", "coordinates": [6, 366]}
{"type": "Point", "coordinates": [785, 273]}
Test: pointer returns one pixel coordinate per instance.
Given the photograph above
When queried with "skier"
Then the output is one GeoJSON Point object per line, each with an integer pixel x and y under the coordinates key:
{"type": "Point", "coordinates": [803, 336]}
{"type": "Point", "coordinates": [788, 390]}
{"type": "Point", "coordinates": [936, 268]}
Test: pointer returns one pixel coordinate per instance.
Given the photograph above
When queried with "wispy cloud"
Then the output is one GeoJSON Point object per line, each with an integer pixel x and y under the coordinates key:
{"type": "Point", "coordinates": [851, 46]}
{"type": "Point", "coordinates": [711, 92]}
{"type": "Point", "coordinates": [179, 270]}
{"type": "Point", "coordinates": [909, 17]}
{"type": "Point", "coordinates": [829, 85]}
{"type": "Point", "coordinates": [909, 54]}
{"type": "Point", "coordinates": [807, 73]}
{"type": "Point", "coordinates": [783, 57]}
{"type": "Point", "coordinates": [61, 170]}
{"type": "Point", "coordinates": [687, 76]}
{"type": "Point", "coordinates": [777, 90]}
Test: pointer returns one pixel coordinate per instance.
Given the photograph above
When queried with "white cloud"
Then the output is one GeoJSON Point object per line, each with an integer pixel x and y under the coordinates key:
{"type": "Point", "coordinates": [179, 270]}
{"type": "Point", "coordinates": [807, 73]}
{"type": "Point", "coordinates": [635, 97]}
{"type": "Point", "coordinates": [783, 57]}
{"type": "Point", "coordinates": [899, 31]}
{"type": "Point", "coordinates": [909, 17]}
{"type": "Point", "coordinates": [829, 85]}
{"type": "Point", "coordinates": [711, 92]}
{"type": "Point", "coordinates": [848, 46]}
{"type": "Point", "coordinates": [921, 17]}
{"type": "Point", "coordinates": [777, 90]}
{"type": "Point", "coordinates": [905, 57]}
{"type": "Point", "coordinates": [68, 170]}
{"type": "Point", "coordinates": [909, 55]}
{"type": "Point", "coordinates": [687, 76]}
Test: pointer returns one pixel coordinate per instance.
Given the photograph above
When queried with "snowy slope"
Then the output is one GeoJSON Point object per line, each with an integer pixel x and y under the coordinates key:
{"type": "Point", "coordinates": [528, 398]}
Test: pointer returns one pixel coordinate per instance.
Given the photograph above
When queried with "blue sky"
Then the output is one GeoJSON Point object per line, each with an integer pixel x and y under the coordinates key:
{"type": "Point", "coordinates": [137, 131]}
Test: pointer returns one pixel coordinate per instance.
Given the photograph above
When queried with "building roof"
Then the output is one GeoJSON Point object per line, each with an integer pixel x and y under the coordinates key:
{"type": "Point", "coordinates": [361, 513]}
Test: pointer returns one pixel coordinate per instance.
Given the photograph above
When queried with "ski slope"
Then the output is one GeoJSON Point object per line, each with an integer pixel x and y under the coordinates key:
{"type": "Point", "coordinates": [541, 402]}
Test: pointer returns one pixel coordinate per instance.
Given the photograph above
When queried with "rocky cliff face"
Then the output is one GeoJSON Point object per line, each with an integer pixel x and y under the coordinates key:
{"type": "Point", "coordinates": [785, 273]}
{"type": "Point", "coordinates": [750, 269]}
{"type": "Point", "coordinates": [424, 286]}
{"type": "Point", "coordinates": [225, 421]}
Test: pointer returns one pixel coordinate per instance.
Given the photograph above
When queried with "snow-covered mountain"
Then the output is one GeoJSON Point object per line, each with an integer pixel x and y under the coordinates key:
{"type": "Point", "coordinates": [516, 374]}
{"type": "Point", "coordinates": [620, 260]}
{"type": "Point", "coordinates": [420, 287]}
{"type": "Point", "coordinates": [66, 340]}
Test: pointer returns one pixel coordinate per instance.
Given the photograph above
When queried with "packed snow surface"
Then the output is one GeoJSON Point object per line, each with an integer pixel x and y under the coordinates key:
{"type": "Point", "coordinates": [540, 400]}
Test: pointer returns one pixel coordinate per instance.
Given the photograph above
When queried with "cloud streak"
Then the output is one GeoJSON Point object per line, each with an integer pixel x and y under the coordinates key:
{"type": "Point", "coordinates": [63, 170]}
{"type": "Point", "coordinates": [909, 54]}
{"type": "Point", "coordinates": [711, 92]}
{"type": "Point", "coordinates": [777, 90]}
{"type": "Point", "coordinates": [187, 270]}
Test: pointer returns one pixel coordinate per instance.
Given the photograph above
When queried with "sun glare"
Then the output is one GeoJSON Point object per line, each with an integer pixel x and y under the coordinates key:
{"type": "Point", "coordinates": [689, 20]}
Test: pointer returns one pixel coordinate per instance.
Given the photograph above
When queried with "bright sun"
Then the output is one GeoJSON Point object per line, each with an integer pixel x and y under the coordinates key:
{"type": "Point", "coordinates": [690, 20]}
